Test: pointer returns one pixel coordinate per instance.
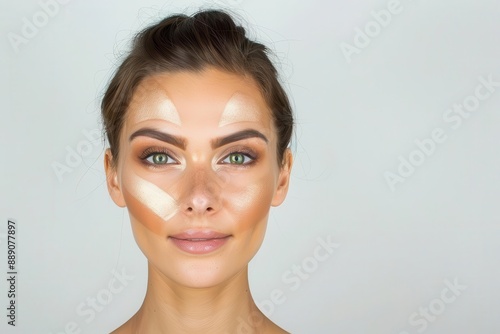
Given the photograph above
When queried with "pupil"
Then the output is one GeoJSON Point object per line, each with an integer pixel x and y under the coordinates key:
{"type": "Point", "coordinates": [237, 158]}
{"type": "Point", "coordinates": [160, 158]}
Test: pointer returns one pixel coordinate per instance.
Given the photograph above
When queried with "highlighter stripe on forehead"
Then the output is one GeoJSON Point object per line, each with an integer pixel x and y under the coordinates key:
{"type": "Point", "coordinates": [153, 197]}
{"type": "Point", "coordinates": [169, 111]}
{"type": "Point", "coordinates": [159, 106]}
{"type": "Point", "coordinates": [239, 109]}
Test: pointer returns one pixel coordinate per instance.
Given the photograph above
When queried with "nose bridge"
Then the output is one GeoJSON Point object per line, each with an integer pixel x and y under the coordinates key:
{"type": "Point", "coordinates": [204, 180]}
{"type": "Point", "coordinates": [201, 189]}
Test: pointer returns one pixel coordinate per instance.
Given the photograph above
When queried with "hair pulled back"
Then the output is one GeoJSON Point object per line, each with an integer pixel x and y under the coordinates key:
{"type": "Point", "coordinates": [208, 38]}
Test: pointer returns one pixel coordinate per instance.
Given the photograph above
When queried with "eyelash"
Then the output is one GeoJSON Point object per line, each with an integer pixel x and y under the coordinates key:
{"type": "Point", "coordinates": [151, 151]}
{"type": "Point", "coordinates": [154, 150]}
{"type": "Point", "coordinates": [244, 151]}
{"type": "Point", "coordinates": [160, 150]}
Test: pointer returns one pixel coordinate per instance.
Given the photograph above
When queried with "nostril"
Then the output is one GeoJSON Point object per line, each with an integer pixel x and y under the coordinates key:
{"type": "Point", "coordinates": [200, 205]}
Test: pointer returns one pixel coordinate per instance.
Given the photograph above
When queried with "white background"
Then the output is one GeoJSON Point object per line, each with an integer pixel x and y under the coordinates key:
{"type": "Point", "coordinates": [357, 116]}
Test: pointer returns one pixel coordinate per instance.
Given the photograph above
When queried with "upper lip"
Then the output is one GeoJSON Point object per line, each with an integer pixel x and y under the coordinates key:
{"type": "Point", "coordinates": [199, 235]}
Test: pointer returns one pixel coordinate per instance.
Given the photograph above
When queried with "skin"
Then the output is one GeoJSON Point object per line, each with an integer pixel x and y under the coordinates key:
{"type": "Point", "coordinates": [239, 108]}
{"type": "Point", "coordinates": [206, 188]}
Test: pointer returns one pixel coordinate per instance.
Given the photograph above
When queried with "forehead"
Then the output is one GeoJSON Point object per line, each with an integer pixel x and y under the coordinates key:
{"type": "Point", "coordinates": [209, 98]}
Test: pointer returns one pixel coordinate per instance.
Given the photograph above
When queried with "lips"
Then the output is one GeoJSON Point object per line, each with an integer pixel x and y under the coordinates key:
{"type": "Point", "coordinates": [199, 242]}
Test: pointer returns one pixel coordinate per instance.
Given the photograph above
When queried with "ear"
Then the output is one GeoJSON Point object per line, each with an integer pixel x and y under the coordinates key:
{"type": "Point", "coordinates": [283, 179]}
{"type": "Point", "coordinates": [112, 180]}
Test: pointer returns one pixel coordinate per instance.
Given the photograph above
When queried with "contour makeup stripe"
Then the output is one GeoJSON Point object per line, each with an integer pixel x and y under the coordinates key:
{"type": "Point", "coordinates": [247, 196]}
{"type": "Point", "coordinates": [239, 109]}
{"type": "Point", "coordinates": [153, 197]}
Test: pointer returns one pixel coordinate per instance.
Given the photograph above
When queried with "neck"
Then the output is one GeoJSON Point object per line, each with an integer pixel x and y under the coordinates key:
{"type": "Point", "coordinates": [170, 308]}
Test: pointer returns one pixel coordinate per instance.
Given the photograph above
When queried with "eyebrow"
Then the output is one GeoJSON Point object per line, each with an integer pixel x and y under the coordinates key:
{"type": "Point", "coordinates": [182, 143]}
{"type": "Point", "coordinates": [240, 135]}
{"type": "Point", "coordinates": [155, 134]}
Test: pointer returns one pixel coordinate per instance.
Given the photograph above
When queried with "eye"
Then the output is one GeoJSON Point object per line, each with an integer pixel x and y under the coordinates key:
{"type": "Point", "coordinates": [238, 158]}
{"type": "Point", "coordinates": [159, 158]}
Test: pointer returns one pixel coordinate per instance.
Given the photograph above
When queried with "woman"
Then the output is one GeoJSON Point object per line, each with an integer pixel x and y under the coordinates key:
{"type": "Point", "coordinates": [199, 130]}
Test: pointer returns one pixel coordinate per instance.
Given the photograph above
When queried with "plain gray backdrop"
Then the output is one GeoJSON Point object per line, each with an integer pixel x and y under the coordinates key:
{"type": "Point", "coordinates": [396, 164]}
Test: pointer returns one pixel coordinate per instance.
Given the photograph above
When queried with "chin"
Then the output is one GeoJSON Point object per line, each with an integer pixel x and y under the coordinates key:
{"type": "Point", "coordinates": [199, 277]}
{"type": "Point", "coordinates": [189, 270]}
{"type": "Point", "coordinates": [198, 272]}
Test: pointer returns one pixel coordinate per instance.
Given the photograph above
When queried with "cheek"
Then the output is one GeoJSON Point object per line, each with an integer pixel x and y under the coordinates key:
{"type": "Point", "coordinates": [250, 203]}
{"type": "Point", "coordinates": [143, 214]}
{"type": "Point", "coordinates": [149, 205]}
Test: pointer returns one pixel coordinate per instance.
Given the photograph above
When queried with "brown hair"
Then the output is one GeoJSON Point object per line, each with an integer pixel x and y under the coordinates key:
{"type": "Point", "coordinates": [192, 43]}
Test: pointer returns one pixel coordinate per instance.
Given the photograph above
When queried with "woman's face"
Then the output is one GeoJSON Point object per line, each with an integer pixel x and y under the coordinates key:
{"type": "Point", "coordinates": [198, 172]}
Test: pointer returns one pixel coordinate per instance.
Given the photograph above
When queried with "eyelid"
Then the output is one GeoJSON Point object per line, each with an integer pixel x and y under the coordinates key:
{"type": "Point", "coordinates": [242, 150]}
{"type": "Point", "coordinates": [159, 164]}
{"type": "Point", "coordinates": [150, 151]}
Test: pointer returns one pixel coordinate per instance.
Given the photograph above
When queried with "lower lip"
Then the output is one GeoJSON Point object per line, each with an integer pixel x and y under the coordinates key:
{"type": "Point", "coordinates": [199, 246]}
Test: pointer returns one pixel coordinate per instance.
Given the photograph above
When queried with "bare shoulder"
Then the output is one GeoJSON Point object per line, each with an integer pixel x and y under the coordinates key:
{"type": "Point", "coordinates": [278, 330]}
{"type": "Point", "coordinates": [268, 327]}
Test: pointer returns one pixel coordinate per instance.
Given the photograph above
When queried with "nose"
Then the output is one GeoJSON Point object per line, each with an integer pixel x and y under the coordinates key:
{"type": "Point", "coordinates": [201, 192]}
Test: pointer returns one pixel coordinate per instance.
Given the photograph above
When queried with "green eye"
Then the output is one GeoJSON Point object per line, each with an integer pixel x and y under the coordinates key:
{"type": "Point", "coordinates": [158, 158]}
{"type": "Point", "coordinates": [237, 158]}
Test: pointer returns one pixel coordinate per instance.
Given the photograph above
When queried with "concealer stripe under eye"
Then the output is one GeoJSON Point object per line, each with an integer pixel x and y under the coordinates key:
{"type": "Point", "coordinates": [153, 197]}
